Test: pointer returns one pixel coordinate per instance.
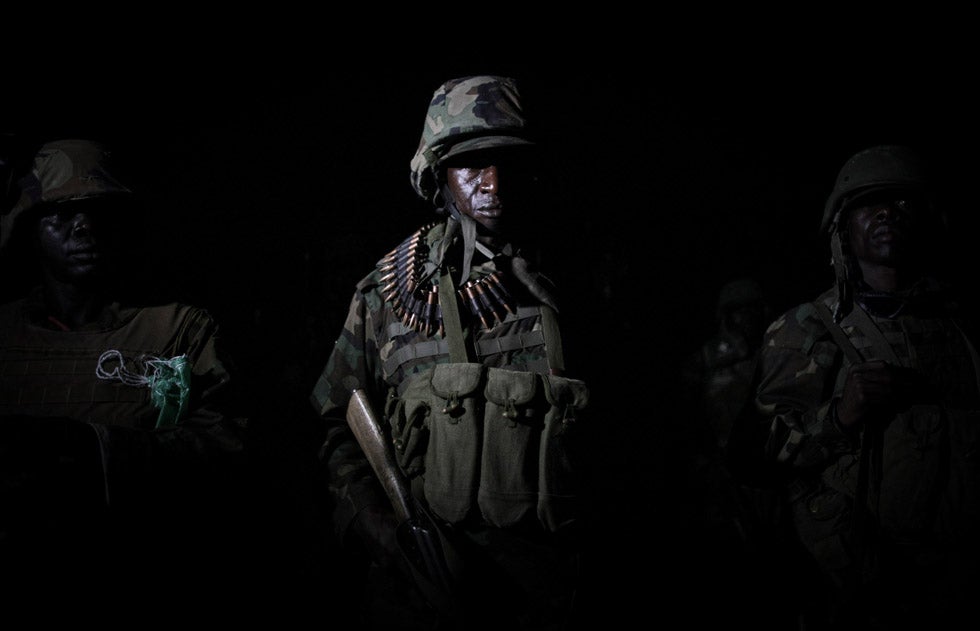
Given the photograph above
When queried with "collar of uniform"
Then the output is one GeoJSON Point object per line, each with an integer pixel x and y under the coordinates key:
{"type": "Point", "coordinates": [36, 313]}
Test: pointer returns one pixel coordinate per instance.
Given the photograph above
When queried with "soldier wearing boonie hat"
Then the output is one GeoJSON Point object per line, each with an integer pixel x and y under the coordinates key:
{"type": "Point", "coordinates": [112, 413]}
{"type": "Point", "coordinates": [63, 171]}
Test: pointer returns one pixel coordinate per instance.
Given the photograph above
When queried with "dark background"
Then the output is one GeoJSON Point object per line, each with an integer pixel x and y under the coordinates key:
{"type": "Point", "coordinates": [274, 182]}
{"type": "Point", "coordinates": [272, 188]}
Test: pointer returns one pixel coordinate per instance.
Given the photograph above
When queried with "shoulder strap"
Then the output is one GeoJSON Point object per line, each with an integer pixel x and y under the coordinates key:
{"type": "Point", "coordinates": [878, 341]}
{"type": "Point", "coordinates": [973, 351]}
{"type": "Point", "coordinates": [552, 340]}
{"type": "Point", "coordinates": [862, 519]}
{"type": "Point", "coordinates": [838, 333]}
{"type": "Point", "coordinates": [458, 349]}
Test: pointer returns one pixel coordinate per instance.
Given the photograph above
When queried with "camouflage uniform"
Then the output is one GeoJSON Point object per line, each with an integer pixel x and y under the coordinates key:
{"type": "Point", "coordinates": [395, 344]}
{"type": "Point", "coordinates": [108, 429]}
{"type": "Point", "coordinates": [890, 515]}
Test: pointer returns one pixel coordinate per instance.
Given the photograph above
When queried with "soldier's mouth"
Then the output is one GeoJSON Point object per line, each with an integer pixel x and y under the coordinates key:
{"type": "Point", "coordinates": [887, 232]}
{"type": "Point", "coordinates": [86, 254]}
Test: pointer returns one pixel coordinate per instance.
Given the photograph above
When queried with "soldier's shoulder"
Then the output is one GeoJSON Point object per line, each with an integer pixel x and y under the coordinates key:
{"type": "Point", "coordinates": [800, 326]}
{"type": "Point", "coordinates": [170, 311]}
{"type": "Point", "coordinates": [408, 256]}
{"type": "Point", "coordinates": [12, 309]}
{"type": "Point", "coordinates": [369, 282]}
{"type": "Point", "coordinates": [169, 318]}
{"type": "Point", "coordinates": [12, 316]}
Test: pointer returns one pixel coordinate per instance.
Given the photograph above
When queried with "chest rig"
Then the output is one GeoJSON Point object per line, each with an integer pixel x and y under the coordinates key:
{"type": "Point", "coordinates": [479, 442]}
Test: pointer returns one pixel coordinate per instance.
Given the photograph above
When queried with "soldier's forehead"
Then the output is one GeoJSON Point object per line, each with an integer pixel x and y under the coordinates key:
{"type": "Point", "coordinates": [100, 204]}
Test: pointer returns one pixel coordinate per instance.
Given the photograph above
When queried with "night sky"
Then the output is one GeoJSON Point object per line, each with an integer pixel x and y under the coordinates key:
{"type": "Point", "coordinates": [273, 186]}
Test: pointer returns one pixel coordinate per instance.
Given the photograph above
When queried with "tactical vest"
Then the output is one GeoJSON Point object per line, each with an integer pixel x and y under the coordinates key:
{"type": "Point", "coordinates": [486, 442]}
{"type": "Point", "coordinates": [46, 372]}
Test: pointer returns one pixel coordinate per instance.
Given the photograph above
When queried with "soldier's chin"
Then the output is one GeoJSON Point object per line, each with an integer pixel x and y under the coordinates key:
{"type": "Point", "coordinates": [491, 225]}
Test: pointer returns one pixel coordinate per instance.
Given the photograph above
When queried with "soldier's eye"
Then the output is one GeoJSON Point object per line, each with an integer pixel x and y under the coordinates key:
{"type": "Point", "coordinates": [904, 205]}
{"type": "Point", "coordinates": [55, 218]}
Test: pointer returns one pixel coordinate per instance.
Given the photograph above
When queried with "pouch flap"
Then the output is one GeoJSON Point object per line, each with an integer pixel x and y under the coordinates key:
{"type": "Point", "coordinates": [562, 391]}
{"type": "Point", "coordinates": [510, 386]}
{"type": "Point", "coordinates": [456, 380]}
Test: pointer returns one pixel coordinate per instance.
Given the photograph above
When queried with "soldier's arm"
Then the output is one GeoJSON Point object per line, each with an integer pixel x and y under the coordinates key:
{"type": "Point", "coordinates": [798, 384]}
{"type": "Point", "coordinates": [345, 470]}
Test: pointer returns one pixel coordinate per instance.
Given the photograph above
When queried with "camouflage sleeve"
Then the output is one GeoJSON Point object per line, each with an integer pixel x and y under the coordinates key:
{"type": "Point", "coordinates": [353, 363]}
{"type": "Point", "coordinates": [799, 379]}
{"type": "Point", "coordinates": [215, 423]}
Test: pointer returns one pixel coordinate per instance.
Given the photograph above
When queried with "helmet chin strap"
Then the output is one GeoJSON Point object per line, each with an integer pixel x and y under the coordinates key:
{"type": "Point", "coordinates": [540, 286]}
{"type": "Point", "coordinates": [844, 273]}
{"type": "Point", "coordinates": [467, 226]}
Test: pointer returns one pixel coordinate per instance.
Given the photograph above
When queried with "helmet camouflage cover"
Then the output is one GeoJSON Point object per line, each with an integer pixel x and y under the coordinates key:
{"type": "Point", "coordinates": [63, 170]}
{"type": "Point", "coordinates": [467, 114]}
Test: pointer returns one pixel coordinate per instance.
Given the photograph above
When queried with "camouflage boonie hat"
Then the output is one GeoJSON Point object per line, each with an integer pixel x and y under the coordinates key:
{"type": "Point", "coordinates": [467, 114]}
{"type": "Point", "coordinates": [64, 170]}
{"type": "Point", "coordinates": [873, 170]}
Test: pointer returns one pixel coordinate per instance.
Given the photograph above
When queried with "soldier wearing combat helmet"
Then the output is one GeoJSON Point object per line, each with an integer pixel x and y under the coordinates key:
{"type": "Point", "coordinates": [867, 411]}
{"type": "Point", "coordinates": [878, 173]}
{"type": "Point", "coordinates": [454, 338]}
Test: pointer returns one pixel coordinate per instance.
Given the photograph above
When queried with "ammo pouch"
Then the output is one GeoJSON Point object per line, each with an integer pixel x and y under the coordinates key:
{"type": "Point", "coordinates": [485, 441]}
{"type": "Point", "coordinates": [490, 439]}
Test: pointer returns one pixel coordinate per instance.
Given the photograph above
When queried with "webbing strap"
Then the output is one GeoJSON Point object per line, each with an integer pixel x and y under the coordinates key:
{"type": "Point", "coordinates": [871, 330]}
{"type": "Point", "coordinates": [552, 340]}
{"type": "Point", "coordinates": [508, 343]}
{"type": "Point", "coordinates": [491, 346]}
{"type": "Point", "coordinates": [838, 334]}
{"type": "Point", "coordinates": [973, 352]}
{"type": "Point", "coordinates": [458, 351]}
{"type": "Point", "coordinates": [871, 439]}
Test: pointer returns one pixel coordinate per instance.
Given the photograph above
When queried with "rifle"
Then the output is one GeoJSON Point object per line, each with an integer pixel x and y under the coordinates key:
{"type": "Point", "coordinates": [434, 563]}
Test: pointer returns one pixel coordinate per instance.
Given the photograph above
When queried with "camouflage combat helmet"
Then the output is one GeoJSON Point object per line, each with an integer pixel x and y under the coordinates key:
{"type": "Point", "coordinates": [467, 114]}
{"type": "Point", "coordinates": [64, 170]}
{"type": "Point", "coordinates": [875, 169]}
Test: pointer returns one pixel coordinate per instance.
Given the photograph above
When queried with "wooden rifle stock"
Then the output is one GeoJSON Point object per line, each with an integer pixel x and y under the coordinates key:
{"type": "Point", "coordinates": [434, 563]}
{"type": "Point", "coordinates": [374, 442]}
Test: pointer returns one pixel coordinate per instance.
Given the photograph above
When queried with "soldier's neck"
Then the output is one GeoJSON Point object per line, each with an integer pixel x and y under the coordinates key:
{"type": "Point", "coordinates": [73, 305]}
{"type": "Point", "coordinates": [888, 278]}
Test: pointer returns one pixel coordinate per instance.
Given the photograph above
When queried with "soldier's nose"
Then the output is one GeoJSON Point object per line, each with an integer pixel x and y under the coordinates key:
{"type": "Point", "coordinates": [488, 180]}
{"type": "Point", "coordinates": [81, 223]}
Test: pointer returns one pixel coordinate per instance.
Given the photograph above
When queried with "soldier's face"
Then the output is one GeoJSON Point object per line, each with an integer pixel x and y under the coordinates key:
{"type": "Point", "coordinates": [881, 232]}
{"type": "Point", "coordinates": [76, 241]}
{"type": "Point", "coordinates": [492, 188]}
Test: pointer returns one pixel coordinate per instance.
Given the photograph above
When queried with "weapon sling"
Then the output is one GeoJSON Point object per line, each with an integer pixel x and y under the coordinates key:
{"type": "Point", "coordinates": [872, 439]}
